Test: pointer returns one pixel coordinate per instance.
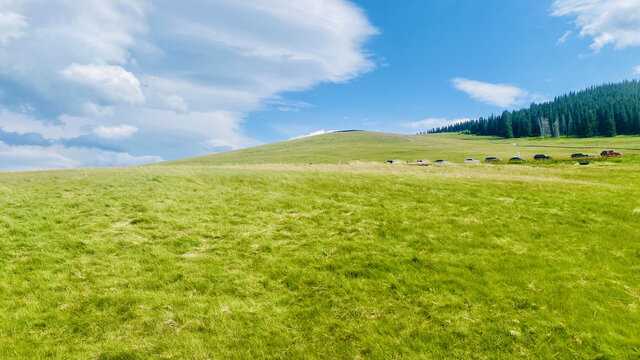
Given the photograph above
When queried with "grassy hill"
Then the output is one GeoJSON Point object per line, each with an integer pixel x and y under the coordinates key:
{"type": "Point", "coordinates": [378, 147]}
{"type": "Point", "coordinates": [261, 260]}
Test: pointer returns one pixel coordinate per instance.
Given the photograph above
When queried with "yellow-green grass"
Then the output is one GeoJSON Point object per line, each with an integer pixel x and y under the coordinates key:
{"type": "Point", "coordinates": [380, 147]}
{"type": "Point", "coordinates": [297, 261]}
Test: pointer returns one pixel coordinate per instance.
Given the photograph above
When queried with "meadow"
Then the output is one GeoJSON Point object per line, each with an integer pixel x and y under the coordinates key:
{"type": "Point", "coordinates": [379, 147]}
{"type": "Point", "coordinates": [257, 254]}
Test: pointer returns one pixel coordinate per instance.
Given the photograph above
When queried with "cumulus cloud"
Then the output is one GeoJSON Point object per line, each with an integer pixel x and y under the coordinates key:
{"type": "Point", "coordinates": [495, 94]}
{"type": "Point", "coordinates": [606, 21]}
{"type": "Point", "coordinates": [185, 75]}
{"type": "Point", "coordinates": [313, 133]}
{"type": "Point", "coordinates": [431, 123]}
{"type": "Point", "coordinates": [115, 132]}
{"type": "Point", "coordinates": [12, 26]}
{"type": "Point", "coordinates": [114, 82]}
{"type": "Point", "coordinates": [636, 70]}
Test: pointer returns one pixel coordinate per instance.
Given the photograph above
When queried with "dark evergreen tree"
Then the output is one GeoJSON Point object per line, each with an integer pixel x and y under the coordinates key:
{"type": "Point", "coordinates": [506, 130]}
{"type": "Point", "coordinates": [604, 110]}
{"type": "Point", "coordinates": [610, 124]}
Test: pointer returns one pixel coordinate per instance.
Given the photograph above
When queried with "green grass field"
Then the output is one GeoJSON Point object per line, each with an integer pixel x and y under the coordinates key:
{"type": "Point", "coordinates": [380, 147]}
{"type": "Point", "coordinates": [256, 254]}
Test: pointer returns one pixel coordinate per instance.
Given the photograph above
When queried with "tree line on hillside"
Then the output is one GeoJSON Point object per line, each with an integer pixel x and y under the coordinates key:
{"type": "Point", "coordinates": [606, 110]}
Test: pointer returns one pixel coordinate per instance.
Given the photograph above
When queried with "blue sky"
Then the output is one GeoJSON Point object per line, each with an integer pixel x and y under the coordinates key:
{"type": "Point", "coordinates": [116, 83]}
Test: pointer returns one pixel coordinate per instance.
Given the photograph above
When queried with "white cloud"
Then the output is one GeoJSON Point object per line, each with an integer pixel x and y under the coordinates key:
{"type": "Point", "coordinates": [313, 133]}
{"type": "Point", "coordinates": [290, 105]}
{"type": "Point", "coordinates": [65, 127]}
{"type": "Point", "coordinates": [430, 123]}
{"type": "Point", "coordinates": [636, 70]}
{"type": "Point", "coordinates": [564, 37]}
{"type": "Point", "coordinates": [317, 41]}
{"type": "Point", "coordinates": [183, 96]}
{"type": "Point", "coordinates": [115, 132]}
{"type": "Point", "coordinates": [495, 94]}
{"type": "Point", "coordinates": [175, 102]}
{"type": "Point", "coordinates": [24, 158]}
{"type": "Point", "coordinates": [606, 21]}
{"type": "Point", "coordinates": [96, 110]}
{"type": "Point", "coordinates": [12, 26]}
{"type": "Point", "coordinates": [111, 158]}
{"type": "Point", "coordinates": [288, 109]}
{"type": "Point", "coordinates": [216, 128]}
{"type": "Point", "coordinates": [185, 74]}
{"type": "Point", "coordinates": [114, 82]}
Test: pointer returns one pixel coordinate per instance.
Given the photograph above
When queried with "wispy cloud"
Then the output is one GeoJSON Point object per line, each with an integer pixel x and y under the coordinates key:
{"type": "Point", "coordinates": [501, 95]}
{"type": "Point", "coordinates": [313, 133]}
{"type": "Point", "coordinates": [183, 74]}
{"type": "Point", "coordinates": [606, 21]}
{"type": "Point", "coordinates": [431, 123]}
{"type": "Point", "coordinates": [12, 26]}
{"type": "Point", "coordinates": [29, 157]}
{"type": "Point", "coordinates": [636, 70]}
{"type": "Point", "coordinates": [289, 105]}
{"type": "Point", "coordinates": [564, 37]}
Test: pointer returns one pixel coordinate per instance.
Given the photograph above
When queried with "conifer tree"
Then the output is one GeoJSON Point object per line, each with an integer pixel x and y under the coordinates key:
{"type": "Point", "coordinates": [604, 110]}
{"type": "Point", "coordinates": [507, 125]}
{"type": "Point", "coordinates": [610, 124]}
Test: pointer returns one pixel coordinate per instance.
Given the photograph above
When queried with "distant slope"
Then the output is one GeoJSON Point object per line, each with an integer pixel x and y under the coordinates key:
{"type": "Point", "coordinates": [378, 147]}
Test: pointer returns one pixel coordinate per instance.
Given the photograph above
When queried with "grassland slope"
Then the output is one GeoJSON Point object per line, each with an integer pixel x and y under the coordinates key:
{"type": "Point", "coordinates": [292, 261]}
{"type": "Point", "coordinates": [379, 147]}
